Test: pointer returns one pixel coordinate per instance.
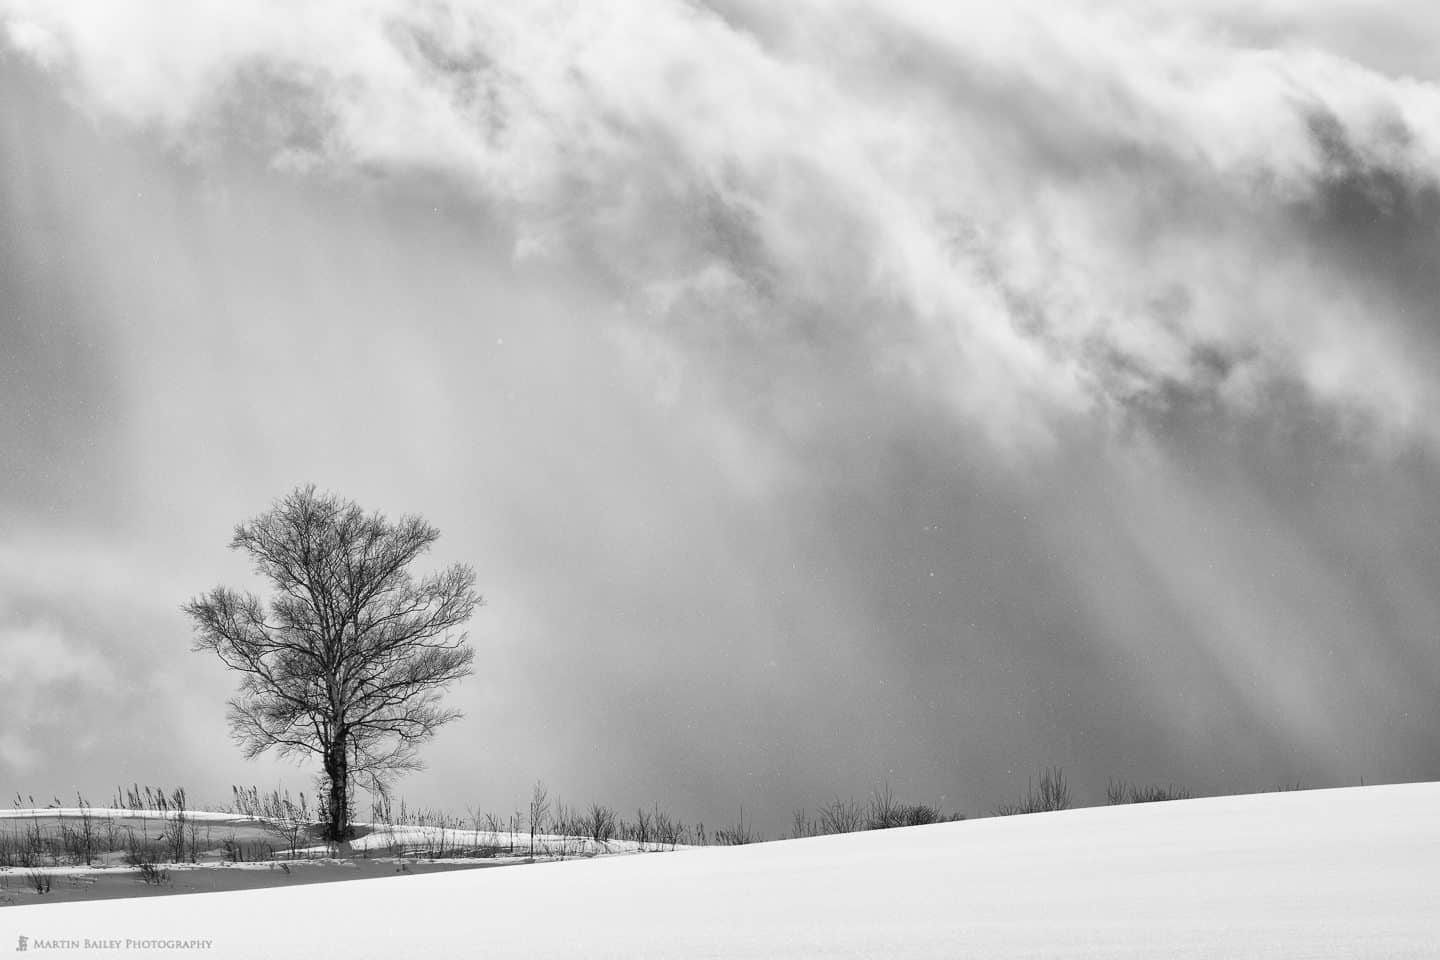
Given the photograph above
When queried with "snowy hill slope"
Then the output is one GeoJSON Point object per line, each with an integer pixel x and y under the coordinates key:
{"type": "Point", "coordinates": [1328, 873]}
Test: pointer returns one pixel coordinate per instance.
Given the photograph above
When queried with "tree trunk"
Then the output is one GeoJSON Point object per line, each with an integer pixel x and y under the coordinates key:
{"type": "Point", "coordinates": [337, 771]}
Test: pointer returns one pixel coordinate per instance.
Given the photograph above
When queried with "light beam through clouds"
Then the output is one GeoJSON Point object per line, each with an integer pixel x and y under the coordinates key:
{"type": "Point", "coordinates": [827, 391]}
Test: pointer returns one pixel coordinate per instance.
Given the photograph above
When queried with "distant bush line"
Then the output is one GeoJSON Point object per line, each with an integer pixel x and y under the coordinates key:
{"type": "Point", "coordinates": [881, 812]}
{"type": "Point", "coordinates": [1121, 791]}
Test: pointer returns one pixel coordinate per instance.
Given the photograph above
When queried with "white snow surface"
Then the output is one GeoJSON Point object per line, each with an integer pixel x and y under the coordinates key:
{"type": "Point", "coordinates": [408, 840]}
{"type": "Point", "coordinates": [1328, 873]}
{"type": "Point", "coordinates": [76, 813]}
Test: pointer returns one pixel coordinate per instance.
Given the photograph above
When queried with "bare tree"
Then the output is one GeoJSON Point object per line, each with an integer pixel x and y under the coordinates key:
{"type": "Point", "coordinates": [349, 658]}
{"type": "Point", "coordinates": [600, 823]}
{"type": "Point", "coordinates": [539, 812]}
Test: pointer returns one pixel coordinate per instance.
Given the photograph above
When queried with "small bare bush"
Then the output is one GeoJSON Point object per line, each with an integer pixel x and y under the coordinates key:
{"type": "Point", "coordinates": [1121, 791]}
{"type": "Point", "coordinates": [884, 811]}
{"type": "Point", "coordinates": [565, 822]}
{"type": "Point", "coordinates": [1050, 794]}
{"type": "Point", "coordinates": [141, 850]}
{"type": "Point", "coordinates": [9, 847]}
{"type": "Point", "coordinates": [600, 823]}
{"type": "Point", "coordinates": [154, 875]}
{"type": "Point", "coordinates": [539, 812]}
{"type": "Point", "coordinates": [112, 834]}
{"type": "Point", "coordinates": [919, 814]}
{"type": "Point", "coordinates": [177, 824]}
{"type": "Point", "coordinates": [840, 816]}
{"type": "Point", "coordinates": [494, 825]}
{"type": "Point", "coordinates": [738, 835]}
{"type": "Point", "coordinates": [286, 819]}
{"type": "Point", "coordinates": [668, 831]}
{"type": "Point", "coordinates": [80, 839]}
{"type": "Point", "coordinates": [35, 847]}
{"type": "Point", "coordinates": [643, 831]}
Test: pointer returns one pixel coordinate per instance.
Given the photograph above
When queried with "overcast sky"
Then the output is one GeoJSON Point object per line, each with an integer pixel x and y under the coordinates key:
{"type": "Point", "coordinates": [824, 393]}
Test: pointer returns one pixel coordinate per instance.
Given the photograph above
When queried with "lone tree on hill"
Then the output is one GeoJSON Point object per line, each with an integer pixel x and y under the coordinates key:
{"type": "Point", "coordinates": [349, 658]}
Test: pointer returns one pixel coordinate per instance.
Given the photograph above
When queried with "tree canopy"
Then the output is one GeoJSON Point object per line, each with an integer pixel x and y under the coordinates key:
{"type": "Point", "coordinates": [349, 658]}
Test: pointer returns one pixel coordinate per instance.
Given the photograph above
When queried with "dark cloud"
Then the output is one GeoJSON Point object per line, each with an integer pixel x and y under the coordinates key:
{"type": "Point", "coordinates": [1381, 221]}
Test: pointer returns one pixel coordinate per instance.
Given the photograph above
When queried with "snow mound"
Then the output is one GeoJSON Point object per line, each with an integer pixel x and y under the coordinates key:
{"type": "Point", "coordinates": [119, 813]}
{"type": "Point", "coordinates": [1352, 873]}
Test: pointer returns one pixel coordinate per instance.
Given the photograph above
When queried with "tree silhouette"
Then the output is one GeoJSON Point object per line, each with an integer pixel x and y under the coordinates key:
{"type": "Point", "coordinates": [350, 656]}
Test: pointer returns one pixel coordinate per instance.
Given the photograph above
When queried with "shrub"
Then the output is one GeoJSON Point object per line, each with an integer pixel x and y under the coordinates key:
{"type": "Point", "coordinates": [539, 812]}
{"type": "Point", "coordinates": [643, 830]}
{"type": "Point", "coordinates": [1051, 793]}
{"type": "Point", "coordinates": [919, 814]}
{"type": "Point", "coordinates": [884, 812]}
{"type": "Point", "coordinates": [1120, 791]}
{"type": "Point", "coordinates": [79, 841]}
{"type": "Point", "coordinates": [840, 816]}
{"type": "Point", "coordinates": [141, 851]}
{"type": "Point", "coordinates": [36, 847]}
{"type": "Point", "coordinates": [287, 819]}
{"type": "Point", "coordinates": [600, 823]}
{"type": "Point", "coordinates": [38, 880]}
{"type": "Point", "coordinates": [177, 821]}
{"type": "Point", "coordinates": [153, 875]}
{"type": "Point", "coordinates": [9, 847]}
{"type": "Point", "coordinates": [238, 851]}
{"type": "Point", "coordinates": [738, 835]}
{"type": "Point", "coordinates": [668, 831]}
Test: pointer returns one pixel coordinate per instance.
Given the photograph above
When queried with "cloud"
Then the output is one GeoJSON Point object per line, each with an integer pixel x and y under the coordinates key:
{"type": "Point", "coordinates": [38, 653]}
{"type": "Point", "coordinates": [1026, 216]}
{"type": "Point", "coordinates": [821, 390]}
{"type": "Point", "coordinates": [43, 668]}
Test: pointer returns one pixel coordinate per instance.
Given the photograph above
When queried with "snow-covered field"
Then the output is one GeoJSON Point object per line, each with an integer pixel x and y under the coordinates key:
{"type": "Point", "coordinates": [125, 813]}
{"type": "Point", "coordinates": [1319, 874]}
{"type": "Point", "coordinates": [407, 840]}
{"type": "Point", "coordinates": [379, 839]}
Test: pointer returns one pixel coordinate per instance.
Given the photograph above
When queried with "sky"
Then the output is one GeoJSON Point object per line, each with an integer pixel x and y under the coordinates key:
{"type": "Point", "coordinates": [826, 394]}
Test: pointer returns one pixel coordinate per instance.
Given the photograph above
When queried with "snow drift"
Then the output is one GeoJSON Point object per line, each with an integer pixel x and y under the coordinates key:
{"type": "Point", "coordinates": [1327, 873]}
